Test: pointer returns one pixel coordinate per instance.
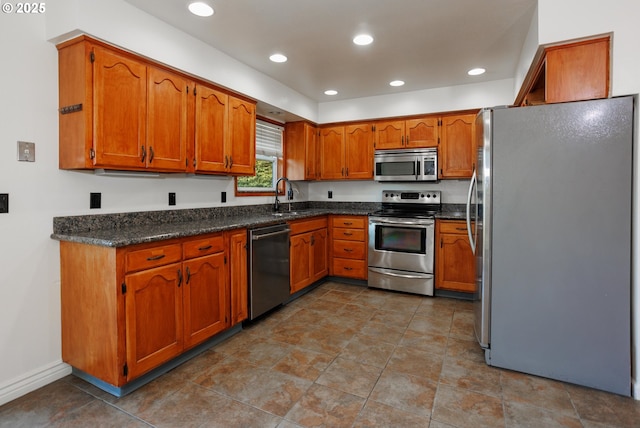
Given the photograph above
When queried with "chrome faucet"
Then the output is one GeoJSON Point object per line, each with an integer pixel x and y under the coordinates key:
{"type": "Point", "coordinates": [289, 193]}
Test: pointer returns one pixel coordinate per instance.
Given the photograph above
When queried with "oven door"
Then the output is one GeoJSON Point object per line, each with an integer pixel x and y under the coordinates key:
{"type": "Point", "coordinates": [401, 244]}
{"type": "Point", "coordinates": [396, 167]}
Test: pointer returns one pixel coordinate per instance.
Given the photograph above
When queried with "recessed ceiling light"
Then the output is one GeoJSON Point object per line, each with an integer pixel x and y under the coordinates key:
{"type": "Point", "coordinates": [331, 92]}
{"type": "Point", "coordinates": [278, 58]}
{"type": "Point", "coordinates": [396, 83]}
{"type": "Point", "coordinates": [200, 8]}
{"type": "Point", "coordinates": [362, 39]}
{"type": "Point", "coordinates": [476, 71]}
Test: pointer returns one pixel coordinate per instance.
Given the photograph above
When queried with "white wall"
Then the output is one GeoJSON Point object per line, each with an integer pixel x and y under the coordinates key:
{"type": "Point", "coordinates": [29, 289]}
{"type": "Point", "coordinates": [463, 97]}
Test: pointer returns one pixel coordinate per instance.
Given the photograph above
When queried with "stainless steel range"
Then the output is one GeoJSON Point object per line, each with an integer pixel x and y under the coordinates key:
{"type": "Point", "coordinates": [401, 241]}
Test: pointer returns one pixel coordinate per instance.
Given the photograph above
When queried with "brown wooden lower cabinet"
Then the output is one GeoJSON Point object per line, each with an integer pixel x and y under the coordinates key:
{"type": "Point", "coordinates": [348, 246]}
{"type": "Point", "coordinates": [308, 252]}
{"type": "Point", "coordinates": [127, 310]}
{"type": "Point", "coordinates": [455, 263]}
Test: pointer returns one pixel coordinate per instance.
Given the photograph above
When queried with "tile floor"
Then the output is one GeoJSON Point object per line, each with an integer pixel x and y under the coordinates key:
{"type": "Point", "coordinates": [340, 356]}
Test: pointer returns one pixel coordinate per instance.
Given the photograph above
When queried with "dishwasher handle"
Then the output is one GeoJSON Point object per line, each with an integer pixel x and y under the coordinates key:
{"type": "Point", "coordinates": [268, 235]}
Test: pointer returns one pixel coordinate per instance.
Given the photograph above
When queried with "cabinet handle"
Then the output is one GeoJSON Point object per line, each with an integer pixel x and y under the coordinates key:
{"type": "Point", "coordinates": [179, 277]}
{"type": "Point", "coordinates": [348, 268]}
{"type": "Point", "coordinates": [440, 242]}
{"type": "Point", "coordinates": [188, 275]}
{"type": "Point", "coordinates": [461, 228]}
{"type": "Point", "coordinates": [347, 233]}
{"type": "Point", "coordinates": [347, 171]}
{"type": "Point", "coordinates": [347, 223]}
{"type": "Point", "coordinates": [158, 257]}
{"type": "Point", "coordinates": [144, 155]}
{"type": "Point", "coordinates": [208, 247]}
{"type": "Point", "coordinates": [342, 172]}
{"type": "Point", "coordinates": [230, 161]}
{"type": "Point", "coordinates": [226, 161]}
{"type": "Point", "coordinates": [150, 154]}
{"type": "Point", "coordinates": [349, 250]}
{"type": "Point", "coordinates": [313, 240]}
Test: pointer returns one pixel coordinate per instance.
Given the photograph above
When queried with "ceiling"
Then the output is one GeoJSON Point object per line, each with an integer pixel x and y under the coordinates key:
{"type": "Point", "coordinates": [426, 43]}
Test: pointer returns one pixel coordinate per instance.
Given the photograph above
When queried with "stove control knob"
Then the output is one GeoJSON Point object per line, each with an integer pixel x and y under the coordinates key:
{"type": "Point", "coordinates": [422, 195]}
{"type": "Point", "coordinates": [386, 195]}
{"type": "Point", "coordinates": [428, 195]}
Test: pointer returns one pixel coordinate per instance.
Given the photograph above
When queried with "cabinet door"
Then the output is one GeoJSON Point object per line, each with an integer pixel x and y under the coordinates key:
{"type": "Point", "coordinates": [319, 254]}
{"type": "Point", "coordinates": [389, 135]}
{"type": "Point", "coordinates": [153, 320]}
{"type": "Point", "coordinates": [211, 129]}
{"type": "Point", "coordinates": [457, 153]}
{"type": "Point", "coordinates": [455, 264]}
{"type": "Point", "coordinates": [241, 145]}
{"type": "Point", "coordinates": [238, 276]}
{"type": "Point", "coordinates": [119, 106]}
{"type": "Point", "coordinates": [312, 149]}
{"type": "Point", "coordinates": [421, 132]}
{"type": "Point", "coordinates": [167, 120]}
{"type": "Point", "coordinates": [359, 151]}
{"type": "Point", "coordinates": [332, 153]}
{"type": "Point", "coordinates": [205, 298]}
{"type": "Point", "coordinates": [300, 261]}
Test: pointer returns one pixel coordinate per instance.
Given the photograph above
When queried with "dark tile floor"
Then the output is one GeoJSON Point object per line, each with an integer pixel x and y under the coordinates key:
{"type": "Point", "coordinates": [340, 356]}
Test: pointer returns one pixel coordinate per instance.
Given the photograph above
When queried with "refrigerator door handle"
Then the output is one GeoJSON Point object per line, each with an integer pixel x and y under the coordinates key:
{"type": "Point", "coordinates": [472, 184]}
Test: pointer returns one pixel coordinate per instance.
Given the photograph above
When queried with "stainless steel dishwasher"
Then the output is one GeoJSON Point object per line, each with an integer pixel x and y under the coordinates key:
{"type": "Point", "coordinates": [269, 268]}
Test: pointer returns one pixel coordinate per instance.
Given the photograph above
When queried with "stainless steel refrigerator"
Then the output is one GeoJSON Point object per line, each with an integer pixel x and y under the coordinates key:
{"type": "Point", "coordinates": [552, 238]}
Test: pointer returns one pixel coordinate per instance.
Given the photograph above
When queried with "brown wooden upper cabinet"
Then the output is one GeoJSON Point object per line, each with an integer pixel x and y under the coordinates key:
{"type": "Point", "coordinates": [406, 134]}
{"type": "Point", "coordinates": [346, 152]}
{"type": "Point", "coordinates": [568, 72]}
{"type": "Point", "coordinates": [457, 146]}
{"type": "Point", "coordinates": [120, 111]}
{"type": "Point", "coordinates": [301, 148]}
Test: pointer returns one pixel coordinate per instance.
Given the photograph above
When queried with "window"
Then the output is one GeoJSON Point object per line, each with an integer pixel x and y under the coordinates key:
{"type": "Point", "coordinates": [269, 161]}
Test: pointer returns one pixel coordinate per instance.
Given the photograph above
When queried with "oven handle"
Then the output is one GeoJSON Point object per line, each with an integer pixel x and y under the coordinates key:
{"type": "Point", "coordinates": [384, 271]}
{"type": "Point", "coordinates": [402, 221]}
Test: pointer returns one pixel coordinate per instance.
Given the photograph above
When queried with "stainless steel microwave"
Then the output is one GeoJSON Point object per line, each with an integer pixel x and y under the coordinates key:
{"type": "Point", "coordinates": [406, 165]}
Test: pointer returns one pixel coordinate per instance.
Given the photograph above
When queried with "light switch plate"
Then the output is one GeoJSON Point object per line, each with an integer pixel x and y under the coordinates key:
{"type": "Point", "coordinates": [26, 151]}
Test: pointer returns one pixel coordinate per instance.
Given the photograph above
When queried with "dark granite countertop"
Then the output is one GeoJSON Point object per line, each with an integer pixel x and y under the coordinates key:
{"type": "Point", "coordinates": [119, 230]}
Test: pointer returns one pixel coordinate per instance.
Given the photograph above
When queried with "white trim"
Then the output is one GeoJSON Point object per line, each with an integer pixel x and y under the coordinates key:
{"type": "Point", "coordinates": [635, 390]}
{"type": "Point", "coordinates": [33, 380]}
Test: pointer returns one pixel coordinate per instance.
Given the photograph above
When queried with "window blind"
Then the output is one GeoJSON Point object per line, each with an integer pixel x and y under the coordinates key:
{"type": "Point", "coordinates": [268, 139]}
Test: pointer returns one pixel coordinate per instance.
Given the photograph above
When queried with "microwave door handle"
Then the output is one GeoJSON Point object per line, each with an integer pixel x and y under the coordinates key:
{"type": "Point", "coordinates": [418, 169]}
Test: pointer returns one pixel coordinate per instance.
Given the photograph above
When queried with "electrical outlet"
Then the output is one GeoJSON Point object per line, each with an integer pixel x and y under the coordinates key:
{"type": "Point", "coordinates": [223, 197]}
{"type": "Point", "coordinates": [330, 194]}
{"type": "Point", "coordinates": [95, 200]}
{"type": "Point", "coordinates": [172, 198]}
{"type": "Point", "coordinates": [4, 203]}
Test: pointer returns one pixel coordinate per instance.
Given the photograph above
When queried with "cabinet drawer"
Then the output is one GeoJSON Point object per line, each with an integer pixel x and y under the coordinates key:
{"type": "Point", "coordinates": [349, 249]}
{"type": "Point", "coordinates": [349, 222]}
{"type": "Point", "coordinates": [348, 234]}
{"type": "Point", "coordinates": [307, 225]}
{"type": "Point", "coordinates": [153, 257]}
{"type": "Point", "coordinates": [203, 246]}
{"type": "Point", "coordinates": [349, 268]}
{"type": "Point", "coordinates": [453, 226]}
